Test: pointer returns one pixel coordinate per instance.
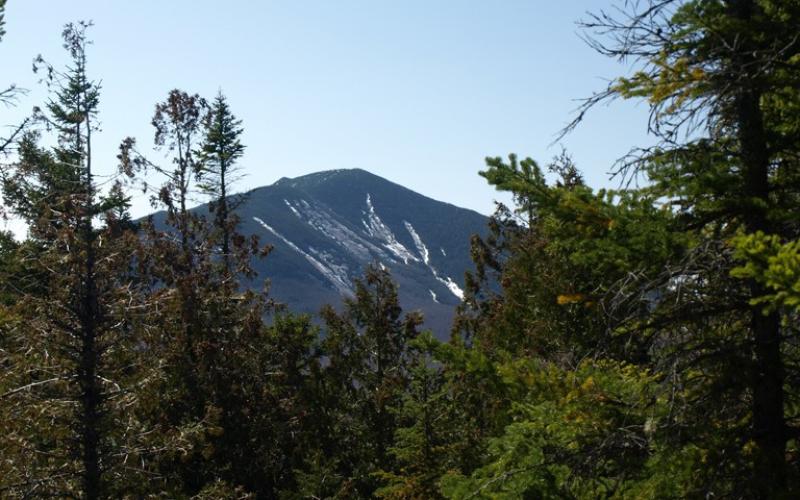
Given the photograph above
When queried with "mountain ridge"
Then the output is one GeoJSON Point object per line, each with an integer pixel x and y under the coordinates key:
{"type": "Point", "coordinates": [326, 227]}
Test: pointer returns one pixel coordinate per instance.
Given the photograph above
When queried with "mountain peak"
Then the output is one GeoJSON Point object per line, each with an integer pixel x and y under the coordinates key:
{"type": "Point", "coordinates": [327, 227]}
{"type": "Point", "coordinates": [323, 176]}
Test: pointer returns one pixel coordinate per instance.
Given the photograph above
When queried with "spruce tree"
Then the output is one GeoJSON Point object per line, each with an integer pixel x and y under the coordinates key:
{"type": "Point", "coordinates": [721, 79]}
{"type": "Point", "coordinates": [70, 329]}
{"type": "Point", "coordinates": [658, 322]}
{"type": "Point", "coordinates": [369, 354]}
{"type": "Point", "coordinates": [219, 152]}
{"type": "Point", "coordinates": [212, 331]}
{"type": "Point", "coordinates": [572, 393]}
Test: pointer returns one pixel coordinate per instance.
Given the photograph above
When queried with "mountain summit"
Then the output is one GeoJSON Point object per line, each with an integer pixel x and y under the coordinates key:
{"type": "Point", "coordinates": [328, 226]}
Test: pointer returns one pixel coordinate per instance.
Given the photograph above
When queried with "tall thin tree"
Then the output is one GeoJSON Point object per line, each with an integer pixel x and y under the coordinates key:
{"type": "Point", "coordinates": [74, 323]}
{"type": "Point", "coordinates": [219, 152]}
{"type": "Point", "coordinates": [720, 77]}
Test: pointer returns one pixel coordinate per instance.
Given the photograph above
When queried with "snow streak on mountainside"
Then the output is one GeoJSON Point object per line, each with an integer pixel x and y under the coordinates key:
{"type": "Point", "coordinates": [451, 285]}
{"type": "Point", "coordinates": [336, 274]}
{"type": "Point", "coordinates": [322, 220]}
{"type": "Point", "coordinates": [333, 268]}
{"type": "Point", "coordinates": [377, 229]}
{"type": "Point", "coordinates": [421, 248]}
{"type": "Point", "coordinates": [426, 258]}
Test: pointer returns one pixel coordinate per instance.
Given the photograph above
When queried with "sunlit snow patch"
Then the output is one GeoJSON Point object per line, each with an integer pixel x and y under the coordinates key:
{"type": "Point", "coordinates": [294, 210]}
{"type": "Point", "coordinates": [451, 285]}
{"type": "Point", "coordinates": [377, 229]}
{"type": "Point", "coordinates": [323, 221]}
{"type": "Point", "coordinates": [421, 248]}
{"type": "Point", "coordinates": [426, 257]}
{"type": "Point", "coordinates": [340, 272]}
{"type": "Point", "coordinates": [337, 276]}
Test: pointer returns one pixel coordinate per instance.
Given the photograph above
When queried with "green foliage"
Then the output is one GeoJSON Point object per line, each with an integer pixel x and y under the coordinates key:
{"type": "Point", "coordinates": [217, 171]}
{"type": "Point", "coordinates": [581, 433]}
{"type": "Point", "coordinates": [628, 343]}
{"type": "Point", "coordinates": [368, 351]}
{"type": "Point", "coordinates": [220, 150]}
{"type": "Point", "coordinates": [430, 437]}
{"type": "Point", "coordinates": [71, 313]}
{"type": "Point", "coordinates": [565, 265]}
{"type": "Point", "coordinates": [774, 264]}
{"type": "Point", "coordinates": [720, 79]}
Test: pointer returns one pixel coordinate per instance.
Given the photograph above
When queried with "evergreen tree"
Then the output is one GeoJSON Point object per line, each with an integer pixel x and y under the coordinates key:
{"type": "Point", "coordinates": [178, 267]}
{"type": "Point", "coordinates": [219, 153]}
{"type": "Point", "coordinates": [177, 123]}
{"type": "Point", "coordinates": [70, 349]}
{"type": "Point", "coordinates": [679, 291]}
{"type": "Point", "coordinates": [368, 353]}
{"type": "Point", "coordinates": [213, 337]}
{"type": "Point", "coordinates": [580, 392]}
{"type": "Point", "coordinates": [725, 74]}
{"type": "Point", "coordinates": [448, 407]}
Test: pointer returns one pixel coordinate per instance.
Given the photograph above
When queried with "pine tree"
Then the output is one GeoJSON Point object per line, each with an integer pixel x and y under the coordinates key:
{"type": "Point", "coordinates": [367, 346]}
{"type": "Point", "coordinates": [70, 328]}
{"type": "Point", "coordinates": [218, 171]}
{"type": "Point", "coordinates": [213, 335]}
{"type": "Point", "coordinates": [579, 388]}
{"type": "Point", "coordinates": [721, 79]}
{"type": "Point", "coordinates": [432, 424]}
{"type": "Point", "coordinates": [179, 271]}
{"type": "Point", "coordinates": [666, 309]}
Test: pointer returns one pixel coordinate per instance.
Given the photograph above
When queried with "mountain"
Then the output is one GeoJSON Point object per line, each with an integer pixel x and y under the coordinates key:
{"type": "Point", "coordinates": [327, 227]}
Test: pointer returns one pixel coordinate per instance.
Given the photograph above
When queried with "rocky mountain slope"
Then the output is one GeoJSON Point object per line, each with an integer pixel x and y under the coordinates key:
{"type": "Point", "coordinates": [328, 226]}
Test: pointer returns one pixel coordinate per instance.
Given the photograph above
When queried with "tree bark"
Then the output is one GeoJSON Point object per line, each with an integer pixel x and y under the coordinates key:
{"type": "Point", "coordinates": [769, 428]}
{"type": "Point", "coordinates": [223, 215]}
{"type": "Point", "coordinates": [91, 392]}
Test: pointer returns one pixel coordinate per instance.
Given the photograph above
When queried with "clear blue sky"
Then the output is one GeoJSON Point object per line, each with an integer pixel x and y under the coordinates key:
{"type": "Point", "coordinates": [416, 91]}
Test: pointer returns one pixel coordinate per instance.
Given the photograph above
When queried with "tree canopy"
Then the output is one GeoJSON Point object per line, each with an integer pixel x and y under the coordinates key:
{"type": "Point", "coordinates": [637, 342]}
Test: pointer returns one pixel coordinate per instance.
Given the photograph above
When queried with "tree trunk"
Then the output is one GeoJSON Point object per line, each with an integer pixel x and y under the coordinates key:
{"type": "Point", "coordinates": [91, 392]}
{"type": "Point", "coordinates": [769, 431]}
{"type": "Point", "coordinates": [223, 216]}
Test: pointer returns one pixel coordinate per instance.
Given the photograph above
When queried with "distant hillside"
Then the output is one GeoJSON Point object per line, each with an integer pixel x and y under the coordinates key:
{"type": "Point", "coordinates": [328, 226]}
